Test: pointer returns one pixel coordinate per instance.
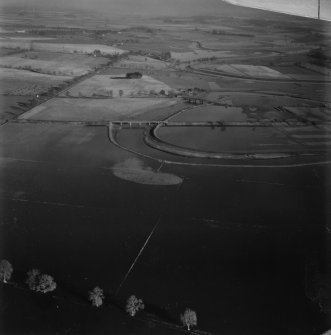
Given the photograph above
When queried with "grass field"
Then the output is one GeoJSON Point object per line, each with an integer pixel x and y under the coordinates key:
{"type": "Point", "coordinates": [183, 80]}
{"type": "Point", "coordinates": [142, 63]}
{"type": "Point", "coordinates": [95, 109]}
{"type": "Point", "coordinates": [53, 63]}
{"type": "Point", "coordinates": [105, 85]}
{"type": "Point", "coordinates": [60, 47]}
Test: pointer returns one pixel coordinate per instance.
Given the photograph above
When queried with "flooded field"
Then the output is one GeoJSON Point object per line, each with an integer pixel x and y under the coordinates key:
{"type": "Point", "coordinates": [240, 250]}
{"type": "Point", "coordinates": [229, 139]}
{"type": "Point", "coordinates": [212, 113]}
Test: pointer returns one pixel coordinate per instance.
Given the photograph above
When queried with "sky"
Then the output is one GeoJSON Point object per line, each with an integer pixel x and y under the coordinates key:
{"type": "Point", "coordinates": [297, 7]}
{"type": "Point", "coordinates": [179, 7]}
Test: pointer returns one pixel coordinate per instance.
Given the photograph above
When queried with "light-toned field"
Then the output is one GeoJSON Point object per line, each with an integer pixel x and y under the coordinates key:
{"type": "Point", "coordinates": [67, 109]}
{"type": "Point", "coordinates": [200, 54]}
{"type": "Point", "coordinates": [259, 71]}
{"type": "Point", "coordinates": [251, 71]}
{"type": "Point", "coordinates": [230, 42]}
{"type": "Point", "coordinates": [60, 47]}
{"type": "Point", "coordinates": [142, 63]}
{"type": "Point", "coordinates": [53, 63]}
{"type": "Point", "coordinates": [21, 82]}
{"type": "Point", "coordinates": [105, 85]}
{"type": "Point", "coordinates": [228, 68]}
{"type": "Point", "coordinates": [183, 80]}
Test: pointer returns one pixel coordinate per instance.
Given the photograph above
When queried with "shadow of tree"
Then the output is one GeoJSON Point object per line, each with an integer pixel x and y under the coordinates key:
{"type": "Point", "coordinates": [159, 312]}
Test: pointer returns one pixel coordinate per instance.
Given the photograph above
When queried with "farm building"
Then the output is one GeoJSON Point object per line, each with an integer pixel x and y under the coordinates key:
{"type": "Point", "coordinates": [134, 75]}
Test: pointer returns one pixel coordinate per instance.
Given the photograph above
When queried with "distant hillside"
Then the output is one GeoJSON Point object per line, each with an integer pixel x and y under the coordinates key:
{"type": "Point", "coordinates": [139, 7]}
{"type": "Point", "coordinates": [183, 8]}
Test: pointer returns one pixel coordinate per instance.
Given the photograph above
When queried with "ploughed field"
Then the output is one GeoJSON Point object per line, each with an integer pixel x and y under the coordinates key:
{"type": "Point", "coordinates": [29, 83]}
{"type": "Point", "coordinates": [106, 181]}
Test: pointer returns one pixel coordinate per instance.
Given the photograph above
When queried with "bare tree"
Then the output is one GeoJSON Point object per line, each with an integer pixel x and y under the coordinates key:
{"type": "Point", "coordinates": [6, 270]}
{"type": "Point", "coordinates": [189, 318]}
{"type": "Point", "coordinates": [96, 296]}
{"type": "Point", "coordinates": [133, 305]}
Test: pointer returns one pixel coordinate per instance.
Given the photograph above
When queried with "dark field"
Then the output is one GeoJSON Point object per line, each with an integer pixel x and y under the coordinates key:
{"type": "Point", "coordinates": [242, 238]}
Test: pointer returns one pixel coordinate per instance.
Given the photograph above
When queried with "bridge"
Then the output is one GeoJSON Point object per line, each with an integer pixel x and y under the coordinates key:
{"type": "Point", "coordinates": [153, 123]}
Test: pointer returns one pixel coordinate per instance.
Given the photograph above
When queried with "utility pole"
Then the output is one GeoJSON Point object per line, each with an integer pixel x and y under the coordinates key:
{"type": "Point", "coordinates": [319, 9]}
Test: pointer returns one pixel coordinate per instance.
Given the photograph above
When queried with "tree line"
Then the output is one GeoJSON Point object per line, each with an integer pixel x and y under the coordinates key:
{"type": "Point", "coordinates": [44, 283]}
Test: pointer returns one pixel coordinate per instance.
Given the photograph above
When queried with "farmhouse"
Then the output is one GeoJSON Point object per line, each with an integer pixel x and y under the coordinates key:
{"type": "Point", "coordinates": [97, 53]}
{"type": "Point", "coordinates": [134, 75]}
{"type": "Point", "coordinates": [194, 99]}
